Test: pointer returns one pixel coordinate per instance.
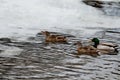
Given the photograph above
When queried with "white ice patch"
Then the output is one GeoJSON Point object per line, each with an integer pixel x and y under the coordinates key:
{"type": "Point", "coordinates": [9, 51]}
{"type": "Point", "coordinates": [24, 18]}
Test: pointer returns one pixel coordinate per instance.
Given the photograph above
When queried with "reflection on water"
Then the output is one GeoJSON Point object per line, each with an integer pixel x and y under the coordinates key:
{"type": "Point", "coordinates": [40, 61]}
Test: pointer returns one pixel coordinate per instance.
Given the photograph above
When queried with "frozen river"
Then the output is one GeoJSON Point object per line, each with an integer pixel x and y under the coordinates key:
{"type": "Point", "coordinates": [28, 58]}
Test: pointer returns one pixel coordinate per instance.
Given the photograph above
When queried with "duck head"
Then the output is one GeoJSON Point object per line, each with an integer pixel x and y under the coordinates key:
{"type": "Point", "coordinates": [45, 33]}
{"type": "Point", "coordinates": [96, 42]}
{"type": "Point", "coordinates": [78, 43]}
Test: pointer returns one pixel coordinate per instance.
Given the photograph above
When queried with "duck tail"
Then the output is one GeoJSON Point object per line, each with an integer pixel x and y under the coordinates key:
{"type": "Point", "coordinates": [116, 50]}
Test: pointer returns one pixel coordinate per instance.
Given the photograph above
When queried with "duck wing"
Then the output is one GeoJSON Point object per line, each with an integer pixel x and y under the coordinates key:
{"type": "Point", "coordinates": [106, 48]}
{"type": "Point", "coordinates": [109, 44]}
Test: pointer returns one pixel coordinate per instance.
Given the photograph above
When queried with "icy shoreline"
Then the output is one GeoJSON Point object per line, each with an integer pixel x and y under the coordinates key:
{"type": "Point", "coordinates": [23, 18]}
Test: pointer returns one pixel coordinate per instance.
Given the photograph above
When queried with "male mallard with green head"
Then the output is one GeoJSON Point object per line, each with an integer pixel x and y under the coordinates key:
{"type": "Point", "coordinates": [105, 48]}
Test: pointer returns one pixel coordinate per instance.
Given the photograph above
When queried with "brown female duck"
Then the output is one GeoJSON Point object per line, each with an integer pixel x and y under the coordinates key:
{"type": "Point", "coordinates": [86, 50]}
{"type": "Point", "coordinates": [53, 38]}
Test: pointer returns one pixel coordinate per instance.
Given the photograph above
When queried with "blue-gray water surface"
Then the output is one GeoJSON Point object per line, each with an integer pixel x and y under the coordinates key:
{"type": "Point", "coordinates": [40, 61]}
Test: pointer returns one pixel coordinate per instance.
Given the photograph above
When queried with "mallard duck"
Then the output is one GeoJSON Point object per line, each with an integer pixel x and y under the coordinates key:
{"type": "Point", "coordinates": [86, 50]}
{"type": "Point", "coordinates": [105, 48]}
{"type": "Point", "coordinates": [53, 38]}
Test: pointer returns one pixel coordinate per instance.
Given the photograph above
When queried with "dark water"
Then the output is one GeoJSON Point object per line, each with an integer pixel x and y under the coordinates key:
{"type": "Point", "coordinates": [112, 9]}
{"type": "Point", "coordinates": [40, 61]}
